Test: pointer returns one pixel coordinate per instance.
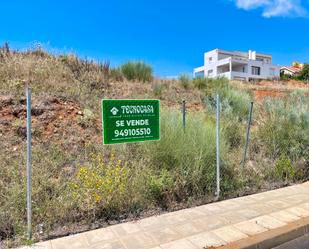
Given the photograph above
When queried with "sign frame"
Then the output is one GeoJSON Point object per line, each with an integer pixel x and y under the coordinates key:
{"type": "Point", "coordinates": [154, 126]}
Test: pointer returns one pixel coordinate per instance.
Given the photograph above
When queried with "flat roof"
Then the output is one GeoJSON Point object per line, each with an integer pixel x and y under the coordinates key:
{"type": "Point", "coordinates": [240, 52]}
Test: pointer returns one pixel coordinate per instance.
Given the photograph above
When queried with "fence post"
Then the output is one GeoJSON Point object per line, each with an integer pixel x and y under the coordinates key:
{"type": "Point", "coordinates": [247, 134]}
{"type": "Point", "coordinates": [184, 115]}
{"type": "Point", "coordinates": [29, 208]}
{"type": "Point", "coordinates": [218, 147]}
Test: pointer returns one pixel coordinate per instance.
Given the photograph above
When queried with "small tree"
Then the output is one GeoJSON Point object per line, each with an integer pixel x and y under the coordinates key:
{"type": "Point", "coordinates": [304, 74]}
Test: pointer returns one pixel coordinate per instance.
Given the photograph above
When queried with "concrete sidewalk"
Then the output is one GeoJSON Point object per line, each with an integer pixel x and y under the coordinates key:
{"type": "Point", "coordinates": [209, 225]}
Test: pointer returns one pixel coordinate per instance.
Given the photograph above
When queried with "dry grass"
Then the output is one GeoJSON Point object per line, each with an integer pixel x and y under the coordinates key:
{"type": "Point", "coordinates": [86, 82]}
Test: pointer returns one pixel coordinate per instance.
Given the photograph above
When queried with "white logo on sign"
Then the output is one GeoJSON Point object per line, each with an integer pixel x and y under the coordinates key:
{"type": "Point", "coordinates": [114, 111]}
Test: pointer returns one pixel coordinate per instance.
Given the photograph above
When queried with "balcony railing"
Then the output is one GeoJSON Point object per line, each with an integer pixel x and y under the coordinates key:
{"type": "Point", "coordinates": [233, 59]}
{"type": "Point", "coordinates": [229, 74]}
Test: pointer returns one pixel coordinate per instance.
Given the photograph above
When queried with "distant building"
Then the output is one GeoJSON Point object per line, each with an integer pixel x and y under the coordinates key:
{"type": "Point", "coordinates": [237, 65]}
{"type": "Point", "coordinates": [289, 70]}
{"type": "Point", "coordinates": [293, 70]}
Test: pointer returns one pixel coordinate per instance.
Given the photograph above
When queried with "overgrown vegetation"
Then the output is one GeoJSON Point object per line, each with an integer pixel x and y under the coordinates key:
{"type": "Point", "coordinates": [304, 74]}
{"type": "Point", "coordinates": [185, 81]}
{"type": "Point", "coordinates": [285, 127]}
{"type": "Point", "coordinates": [137, 71]}
{"type": "Point", "coordinates": [77, 182]}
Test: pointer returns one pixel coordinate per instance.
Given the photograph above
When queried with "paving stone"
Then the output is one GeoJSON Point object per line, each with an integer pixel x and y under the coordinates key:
{"type": "Point", "coordinates": [139, 240]}
{"type": "Point", "coordinates": [292, 190]}
{"type": "Point", "coordinates": [175, 218]}
{"type": "Point", "coordinates": [263, 208]}
{"type": "Point", "coordinates": [284, 216]}
{"type": "Point", "coordinates": [250, 227]}
{"type": "Point", "coordinates": [191, 214]}
{"type": "Point", "coordinates": [248, 213]}
{"type": "Point", "coordinates": [268, 222]}
{"type": "Point", "coordinates": [304, 205]}
{"type": "Point", "coordinates": [214, 208]}
{"type": "Point", "coordinates": [152, 222]}
{"type": "Point", "coordinates": [206, 239]}
{"type": "Point", "coordinates": [296, 199]}
{"type": "Point", "coordinates": [209, 222]}
{"type": "Point", "coordinates": [179, 244]}
{"type": "Point", "coordinates": [229, 205]}
{"type": "Point", "coordinates": [233, 217]}
{"type": "Point", "coordinates": [108, 245]}
{"type": "Point", "coordinates": [261, 197]}
{"type": "Point", "coordinates": [301, 212]}
{"type": "Point", "coordinates": [229, 234]}
{"type": "Point", "coordinates": [125, 229]}
{"type": "Point", "coordinates": [204, 210]}
{"type": "Point", "coordinates": [278, 204]}
{"type": "Point", "coordinates": [103, 234]}
{"type": "Point", "coordinates": [165, 235]}
{"type": "Point", "coordinates": [188, 229]}
{"type": "Point", "coordinates": [245, 200]}
{"type": "Point", "coordinates": [78, 241]}
{"type": "Point", "coordinates": [274, 194]}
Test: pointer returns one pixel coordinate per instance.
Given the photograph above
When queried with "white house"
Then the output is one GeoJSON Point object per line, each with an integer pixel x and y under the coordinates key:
{"type": "Point", "coordinates": [290, 71]}
{"type": "Point", "coordinates": [293, 70]}
{"type": "Point", "coordinates": [237, 65]}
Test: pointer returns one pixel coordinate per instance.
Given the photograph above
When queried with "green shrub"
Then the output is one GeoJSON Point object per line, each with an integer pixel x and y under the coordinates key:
{"type": "Point", "coordinates": [234, 132]}
{"type": "Point", "coordinates": [234, 103]}
{"type": "Point", "coordinates": [284, 127]}
{"type": "Point", "coordinates": [284, 169]}
{"type": "Point", "coordinates": [158, 89]}
{"type": "Point", "coordinates": [49, 189]}
{"type": "Point", "coordinates": [219, 85]}
{"type": "Point", "coordinates": [189, 156]}
{"type": "Point", "coordinates": [185, 81]}
{"type": "Point", "coordinates": [304, 74]}
{"type": "Point", "coordinates": [137, 71]}
{"type": "Point", "coordinates": [157, 186]}
{"type": "Point", "coordinates": [200, 83]}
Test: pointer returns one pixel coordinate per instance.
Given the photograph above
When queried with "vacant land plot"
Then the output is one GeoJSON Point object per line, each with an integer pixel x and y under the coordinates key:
{"type": "Point", "coordinates": [79, 184]}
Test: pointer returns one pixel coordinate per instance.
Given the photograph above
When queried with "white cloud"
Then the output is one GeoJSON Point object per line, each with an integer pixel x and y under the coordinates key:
{"type": "Point", "coordinates": [251, 4]}
{"type": "Point", "coordinates": [274, 8]}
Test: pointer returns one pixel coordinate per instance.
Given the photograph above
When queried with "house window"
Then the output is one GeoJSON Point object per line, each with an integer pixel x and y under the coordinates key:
{"type": "Point", "coordinates": [256, 71]}
{"type": "Point", "coordinates": [210, 59]}
{"type": "Point", "coordinates": [210, 72]}
{"type": "Point", "coordinates": [199, 74]}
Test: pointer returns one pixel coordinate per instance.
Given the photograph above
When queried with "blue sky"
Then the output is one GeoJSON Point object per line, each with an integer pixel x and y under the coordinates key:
{"type": "Point", "coordinates": [170, 35]}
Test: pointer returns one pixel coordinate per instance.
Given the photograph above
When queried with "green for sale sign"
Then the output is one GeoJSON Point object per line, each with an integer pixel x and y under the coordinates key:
{"type": "Point", "coordinates": [127, 121]}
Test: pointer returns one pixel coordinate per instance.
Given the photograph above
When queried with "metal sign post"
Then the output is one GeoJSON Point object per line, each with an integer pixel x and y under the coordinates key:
{"type": "Point", "coordinates": [184, 114]}
{"type": "Point", "coordinates": [127, 121]}
{"type": "Point", "coordinates": [29, 210]}
{"type": "Point", "coordinates": [218, 147]}
{"type": "Point", "coordinates": [247, 134]}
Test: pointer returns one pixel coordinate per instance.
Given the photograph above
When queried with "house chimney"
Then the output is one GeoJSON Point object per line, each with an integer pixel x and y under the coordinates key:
{"type": "Point", "coordinates": [250, 54]}
{"type": "Point", "coordinates": [253, 55]}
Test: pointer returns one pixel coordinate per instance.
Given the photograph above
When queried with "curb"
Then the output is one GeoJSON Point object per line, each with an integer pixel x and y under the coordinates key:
{"type": "Point", "coordinates": [272, 238]}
